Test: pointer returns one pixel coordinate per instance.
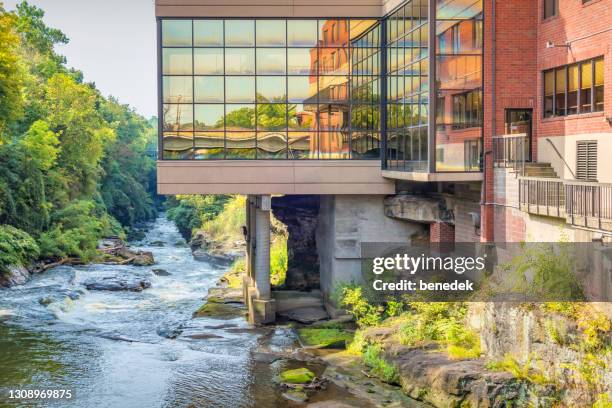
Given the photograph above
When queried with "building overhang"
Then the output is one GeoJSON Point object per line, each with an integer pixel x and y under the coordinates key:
{"type": "Point", "coordinates": [433, 177]}
{"type": "Point", "coordinates": [272, 177]}
{"type": "Point", "coordinates": [269, 8]}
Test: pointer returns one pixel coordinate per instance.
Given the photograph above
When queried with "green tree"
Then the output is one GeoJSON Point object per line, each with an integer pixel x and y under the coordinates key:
{"type": "Point", "coordinates": [10, 73]}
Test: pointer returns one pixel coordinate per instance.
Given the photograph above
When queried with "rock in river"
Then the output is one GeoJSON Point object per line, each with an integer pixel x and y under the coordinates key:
{"type": "Point", "coordinates": [114, 283]}
{"type": "Point", "coordinates": [161, 272]}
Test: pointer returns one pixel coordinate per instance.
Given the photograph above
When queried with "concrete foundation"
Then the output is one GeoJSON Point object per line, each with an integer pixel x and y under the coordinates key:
{"type": "Point", "coordinates": [345, 223]}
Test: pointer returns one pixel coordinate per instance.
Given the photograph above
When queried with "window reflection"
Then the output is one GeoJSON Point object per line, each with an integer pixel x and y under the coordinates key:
{"type": "Point", "coordinates": [209, 117]}
{"type": "Point", "coordinates": [208, 33]}
{"type": "Point", "coordinates": [208, 61]}
{"type": "Point", "coordinates": [208, 89]}
{"type": "Point", "coordinates": [271, 89]}
{"type": "Point", "coordinates": [178, 89]}
{"type": "Point", "coordinates": [177, 118]}
{"type": "Point", "coordinates": [239, 33]}
{"type": "Point", "coordinates": [271, 61]}
{"type": "Point", "coordinates": [271, 33]}
{"type": "Point", "coordinates": [302, 33]}
{"type": "Point", "coordinates": [176, 33]}
{"type": "Point", "coordinates": [239, 61]}
{"type": "Point", "coordinates": [239, 89]}
{"type": "Point", "coordinates": [177, 61]}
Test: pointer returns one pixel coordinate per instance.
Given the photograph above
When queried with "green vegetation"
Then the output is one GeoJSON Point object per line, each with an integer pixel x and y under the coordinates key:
{"type": "Point", "coordinates": [324, 337]}
{"type": "Point", "coordinates": [189, 212]}
{"type": "Point", "coordinates": [520, 371]}
{"type": "Point", "coordinates": [297, 376]}
{"type": "Point", "coordinates": [16, 247]}
{"type": "Point", "coordinates": [73, 163]}
{"type": "Point", "coordinates": [373, 357]}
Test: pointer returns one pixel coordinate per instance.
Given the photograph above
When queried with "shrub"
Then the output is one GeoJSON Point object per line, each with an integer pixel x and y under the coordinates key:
{"type": "Point", "coordinates": [373, 357]}
{"type": "Point", "coordinates": [17, 247]}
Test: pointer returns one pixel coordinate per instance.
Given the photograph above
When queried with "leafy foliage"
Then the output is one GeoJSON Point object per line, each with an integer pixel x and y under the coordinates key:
{"type": "Point", "coordinates": [72, 162]}
{"type": "Point", "coordinates": [373, 357]}
{"type": "Point", "coordinates": [16, 247]}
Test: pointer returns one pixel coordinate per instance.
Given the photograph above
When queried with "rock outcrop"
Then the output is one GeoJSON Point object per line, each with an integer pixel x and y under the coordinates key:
{"type": "Point", "coordinates": [114, 284]}
{"type": "Point", "coordinates": [14, 275]}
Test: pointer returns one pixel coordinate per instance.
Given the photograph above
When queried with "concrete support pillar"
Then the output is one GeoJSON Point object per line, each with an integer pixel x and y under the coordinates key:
{"type": "Point", "coordinates": [257, 287]}
{"type": "Point", "coordinates": [262, 247]}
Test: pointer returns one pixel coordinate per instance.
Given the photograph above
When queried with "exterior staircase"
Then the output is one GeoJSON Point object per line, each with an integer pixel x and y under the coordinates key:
{"type": "Point", "coordinates": [544, 170]}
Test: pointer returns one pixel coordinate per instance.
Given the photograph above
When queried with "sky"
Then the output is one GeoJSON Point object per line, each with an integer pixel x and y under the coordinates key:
{"type": "Point", "coordinates": [112, 42]}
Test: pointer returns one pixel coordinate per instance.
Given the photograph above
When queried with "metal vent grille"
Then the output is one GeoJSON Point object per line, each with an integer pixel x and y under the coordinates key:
{"type": "Point", "coordinates": [586, 160]}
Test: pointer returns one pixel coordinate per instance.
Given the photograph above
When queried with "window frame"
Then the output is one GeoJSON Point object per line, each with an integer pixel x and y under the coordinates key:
{"type": "Point", "coordinates": [566, 68]}
{"type": "Point", "coordinates": [555, 9]}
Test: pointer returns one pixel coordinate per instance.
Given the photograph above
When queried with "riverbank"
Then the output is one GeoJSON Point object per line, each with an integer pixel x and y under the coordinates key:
{"type": "Point", "coordinates": [110, 251]}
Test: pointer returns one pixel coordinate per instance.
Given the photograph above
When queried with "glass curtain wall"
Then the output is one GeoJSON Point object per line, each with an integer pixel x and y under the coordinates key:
{"type": "Point", "coordinates": [408, 87]}
{"type": "Point", "coordinates": [459, 84]}
{"type": "Point", "coordinates": [270, 89]}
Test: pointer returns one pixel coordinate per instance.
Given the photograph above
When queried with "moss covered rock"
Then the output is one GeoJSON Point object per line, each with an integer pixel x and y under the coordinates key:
{"type": "Point", "coordinates": [297, 376]}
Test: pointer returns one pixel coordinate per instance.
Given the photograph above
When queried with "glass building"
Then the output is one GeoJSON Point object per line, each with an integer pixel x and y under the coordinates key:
{"type": "Point", "coordinates": [327, 89]}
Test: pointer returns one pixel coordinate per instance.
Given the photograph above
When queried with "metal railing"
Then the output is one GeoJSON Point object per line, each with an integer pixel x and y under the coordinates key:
{"type": "Point", "coordinates": [589, 204]}
{"type": "Point", "coordinates": [584, 204]}
{"type": "Point", "coordinates": [543, 196]}
{"type": "Point", "coordinates": [511, 151]}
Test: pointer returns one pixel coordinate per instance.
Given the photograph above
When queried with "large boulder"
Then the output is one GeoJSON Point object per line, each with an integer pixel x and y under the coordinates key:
{"type": "Point", "coordinates": [14, 275]}
{"type": "Point", "coordinates": [114, 284]}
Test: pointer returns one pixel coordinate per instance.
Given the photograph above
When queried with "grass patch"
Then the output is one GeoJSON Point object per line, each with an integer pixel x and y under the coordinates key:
{"type": "Point", "coordinates": [323, 337]}
{"type": "Point", "coordinates": [525, 372]}
{"type": "Point", "coordinates": [373, 358]}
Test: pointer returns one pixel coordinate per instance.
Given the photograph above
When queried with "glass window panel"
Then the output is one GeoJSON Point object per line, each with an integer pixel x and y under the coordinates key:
{"type": "Point", "coordinates": [208, 89]}
{"type": "Point", "coordinates": [572, 90]}
{"type": "Point", "coordinates": [586, 76]}
{"type": "Point", "coordinates": [240, 145]}
{"type": "Point", "coordinates": [239, 33]}
{"type": "Point", "coordinates": [359, 28]}
{"type": "Point", "coordinates": [302, 89]}
{"type": "Point", "coordinates": [549, 90]}
{"type": "Point", "coordinates": [303, 145]}
{"type": "Point", "coordinates": [209, 145]}
{"type": "Point", "coordinates": [271, 61]}
{"type": "Point", "coordinates": [177, 145]}
{"type": "Point", "coordinates": [599, 85]}
{"type": "Point", "coordinates": [333, 144]}
{"type": "Point", "coordinates": [271, 89]}
{"type": "Point", "coordinates": [176, 33]}
{"type": "Point", "coordinates": [177, 61]}
{"type": "Point", "coordinates": [333, 61]}
{"type": "Point", "coordinates": [333, 89]}
{"type": "Point", "coordinates": [239, 117]}
{"type": "Point", "coordinates": [599, 72]}
{"type": "Point", "coordinates": [239, 61]}
{"type": "Point", "coordinates": [365, 145]}
{"type": "Point", "coordinates": [239, 89]}
{"type": "Point", "coordinates": [302, 33]}
{"type": "Point", "coordinates": [209, 117]}
{"type": "Point", "coordinates": [560, 88]}
{"type": "Point", "coordinates": [271, 116]}
{"type": "Point", "coordinates": [177, 118]}
{"type": "Point", "coordinates": [333, 117]}
{"type": "Point", "coordinates": [271, 33]}
{"type": "Point", "coordinates": [208, 33]}
{"type": "Point", "coordinates": [300, 61]}
{"type": "Point", "coordinates": [455, 9]}
{"type": "Point", "coordinates": [272, 144]}
{"type": "Point", "coordinates": [333, 33]}
{"type": "Point", "coordinates": [301, 117]}
{"type": "Point", "coordinates": [208, 61]}
{"type": "Point", "coordinates": [178, 89]}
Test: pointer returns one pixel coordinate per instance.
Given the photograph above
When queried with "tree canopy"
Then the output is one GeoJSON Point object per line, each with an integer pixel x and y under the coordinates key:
{"type": "Point", "coordinates": [73, 163]}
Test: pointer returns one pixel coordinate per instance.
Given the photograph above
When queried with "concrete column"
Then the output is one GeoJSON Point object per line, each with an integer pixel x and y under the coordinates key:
{"type": "Point", "coordinates": [262, 247]}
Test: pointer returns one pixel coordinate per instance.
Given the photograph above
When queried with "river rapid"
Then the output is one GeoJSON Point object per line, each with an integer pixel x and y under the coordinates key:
{"type": "Point", "coordinates": [112, 348]}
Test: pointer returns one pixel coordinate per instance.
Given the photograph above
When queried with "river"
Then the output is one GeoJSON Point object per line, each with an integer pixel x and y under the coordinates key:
{"type": "Point", "coordinates": [112, 348]}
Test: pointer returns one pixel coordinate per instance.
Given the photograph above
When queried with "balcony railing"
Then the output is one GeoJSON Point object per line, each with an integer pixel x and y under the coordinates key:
{"type": "Point", "coordinates": [583, 204]}
{"type": "Point", "coordinates": [511, 151]}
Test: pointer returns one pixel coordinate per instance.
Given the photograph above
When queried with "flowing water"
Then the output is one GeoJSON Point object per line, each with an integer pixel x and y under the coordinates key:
{"type": "Point", "coordinates": [112, 348]}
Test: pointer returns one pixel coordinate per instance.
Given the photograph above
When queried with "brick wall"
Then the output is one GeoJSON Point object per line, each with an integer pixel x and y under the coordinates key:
{"type": "Point", "coordinates": [441, 232]}
{"type": "Point", "coordinates": [584, 25]}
